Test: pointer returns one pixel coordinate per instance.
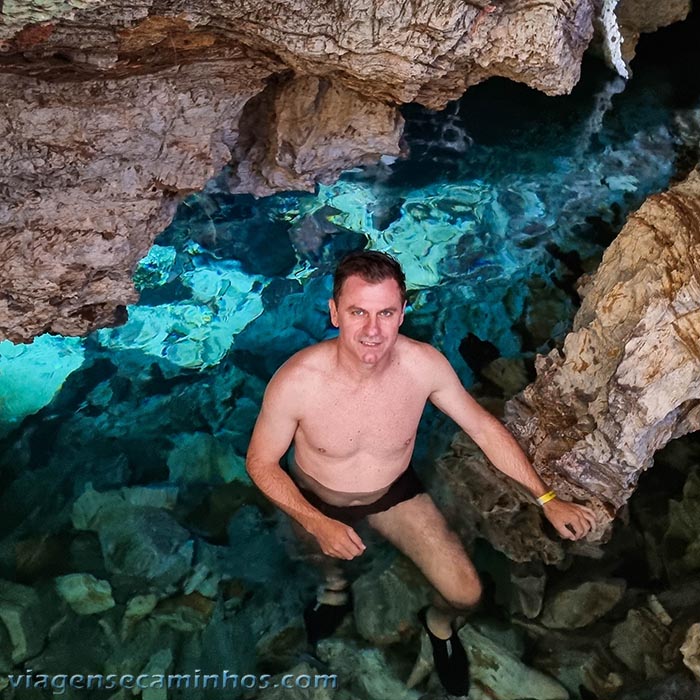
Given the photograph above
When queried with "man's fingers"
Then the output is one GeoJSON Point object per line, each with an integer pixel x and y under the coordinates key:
{"type": "Point", "coordinates": [567, 531]}
{"type": "Point", "coordinates": [356, 540]}
{"type": "Point", "coordinates": [589, 515]}
{"type": "Point", "coordinates": [345, 543]}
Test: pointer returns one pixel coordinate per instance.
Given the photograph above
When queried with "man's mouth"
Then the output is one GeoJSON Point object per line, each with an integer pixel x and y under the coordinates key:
{"type": "Point", "coordinates": [370, 344]}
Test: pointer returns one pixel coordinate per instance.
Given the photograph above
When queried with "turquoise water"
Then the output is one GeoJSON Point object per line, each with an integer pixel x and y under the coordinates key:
{"type": "Point", "coordinates": [507, 197]}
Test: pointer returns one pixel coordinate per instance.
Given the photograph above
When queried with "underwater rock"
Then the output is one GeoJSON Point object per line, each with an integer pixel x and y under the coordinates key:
{"type": "Point", "coordinates": [583, 604]}
{"type": "Point", "coordinates": [316, 236]}
{"type": "Point", "coordinates": [159, 664]}
{"type": "Point", "coordinates": [141, 543]}
{"type": "Point", "coordinates": [528, 581]}
{"type": "Point", "coordinates": [274, 617]}
{"type": "Point", "coordinates": [23, 621]}
{"type": "Point", "coordinates": [85, 594]}
{"type": "Point", "coordinates": [253, 553]}
{"type": "Point", "coordinates": [204, 458]}
{"type": "Point", "coordinates": [691, 650]}
{"type": "Point", "coordinates": [681, 542]}
{"type": "Point", "coordinates": [365, 669]}
{"type": "Point", "coordinates": [639, 642]}
{"type": "Point", "coordinates": [225, 643]}
{"type": "Point", "coordinates": [386, 600]}
{"type": "Point", "coordinates": [137, 608]}
{"type": "Point", "coordinates": [497, 672]}
{"type": "Point", "coordinates": [675, 687]}
{"type": "Point", "coordinates": [81, 643]}
{"type": "Point", "coordinates": [31, 375]}
{"type": "Point", "coordinates": [577, 662]}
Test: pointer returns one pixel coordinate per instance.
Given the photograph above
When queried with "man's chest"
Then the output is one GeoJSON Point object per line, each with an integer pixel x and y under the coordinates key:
{"type": "Point", "coordinates": [381, 418]}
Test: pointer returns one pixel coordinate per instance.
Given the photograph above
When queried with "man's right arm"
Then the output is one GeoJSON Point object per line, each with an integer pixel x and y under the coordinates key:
{"type": "Point", "coordinates": [272, 436]}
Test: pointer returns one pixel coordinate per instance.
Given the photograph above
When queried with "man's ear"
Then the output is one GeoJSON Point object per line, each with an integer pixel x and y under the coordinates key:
{"type": "Point", "coordinates": [334, 312]}
{"type": "Point", "coordinates": [403, 312]}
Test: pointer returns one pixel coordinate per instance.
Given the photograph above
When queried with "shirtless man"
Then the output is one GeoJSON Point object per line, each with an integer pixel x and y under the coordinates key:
{"type": "Point", "coordinates": [350, 406]}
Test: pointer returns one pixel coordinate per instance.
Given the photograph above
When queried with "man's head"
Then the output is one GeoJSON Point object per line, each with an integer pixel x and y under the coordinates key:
{"type": "Point", "coordinates": [371, 266]}
{"type": "Point", "coordinates": [369, 299]}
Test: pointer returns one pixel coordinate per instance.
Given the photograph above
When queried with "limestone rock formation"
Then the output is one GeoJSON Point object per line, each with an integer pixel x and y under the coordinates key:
{"type": "Point", "coordinates": [637, 17]}
{"type": "Point", "coordinates": [93, 170]}
{"type": "Point", "coordinates": [111, 113]}
{"type": "Point", "coordinates": [625, 383]}
{"type": "Point", "coordinates": [628, 377]}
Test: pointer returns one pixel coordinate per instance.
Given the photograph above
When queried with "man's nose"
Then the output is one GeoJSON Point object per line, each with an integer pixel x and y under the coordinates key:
{"type": "Point", "coordinates": [372, 325]}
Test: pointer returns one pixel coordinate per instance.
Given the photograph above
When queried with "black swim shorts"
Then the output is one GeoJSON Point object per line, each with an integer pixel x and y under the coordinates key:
{"type": "Point", "coordinates": [402, 489]}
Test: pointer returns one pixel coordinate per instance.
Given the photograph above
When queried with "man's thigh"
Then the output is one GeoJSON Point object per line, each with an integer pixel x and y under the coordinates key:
{"type": "Point", "coordinates": [418, 529]}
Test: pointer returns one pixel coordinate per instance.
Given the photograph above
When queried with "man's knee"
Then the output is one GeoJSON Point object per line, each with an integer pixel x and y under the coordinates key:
{"type": "Point", "coordinates": [464, 593]}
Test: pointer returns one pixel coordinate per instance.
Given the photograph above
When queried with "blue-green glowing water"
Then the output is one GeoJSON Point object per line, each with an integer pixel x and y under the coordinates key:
{"type": "Point", "coordinates": [506, 198]}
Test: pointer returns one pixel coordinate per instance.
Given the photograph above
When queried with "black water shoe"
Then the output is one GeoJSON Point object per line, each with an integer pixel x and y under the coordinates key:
{"type": "Point", "coordinates": [451, 661]}
{"type": "Point", "coordinates": [322, 619]}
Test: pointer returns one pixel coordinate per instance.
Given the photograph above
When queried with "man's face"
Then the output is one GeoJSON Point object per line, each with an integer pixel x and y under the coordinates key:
{"type": "Point", "coordinates": [369, 316]}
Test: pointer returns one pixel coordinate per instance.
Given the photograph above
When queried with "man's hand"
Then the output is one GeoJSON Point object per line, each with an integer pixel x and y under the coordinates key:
{"type": "Point", "coordinates": [571, 520]}
{"type": "Point", "coordinates": [338, 540]}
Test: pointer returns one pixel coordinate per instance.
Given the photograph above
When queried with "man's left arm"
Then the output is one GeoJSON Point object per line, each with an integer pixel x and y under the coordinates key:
{"type": "Point", "coordinates": [572, 521]}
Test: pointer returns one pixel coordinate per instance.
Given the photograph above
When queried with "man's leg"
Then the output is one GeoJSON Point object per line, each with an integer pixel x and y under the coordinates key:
{"type": "Point", "coordinates": [418, 529]}
{"type": "Point", "coordinates": [324, 614]}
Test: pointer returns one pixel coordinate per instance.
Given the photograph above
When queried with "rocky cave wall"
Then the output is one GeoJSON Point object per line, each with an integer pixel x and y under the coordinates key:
{"type": "Point", "coordinates": [626, 382]}
{"type": "Point", "coordinates": [111, 114]}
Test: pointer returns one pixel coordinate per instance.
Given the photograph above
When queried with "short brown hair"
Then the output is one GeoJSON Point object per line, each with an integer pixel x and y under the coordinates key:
{"type": "Point", "coordinates": [371, 266]}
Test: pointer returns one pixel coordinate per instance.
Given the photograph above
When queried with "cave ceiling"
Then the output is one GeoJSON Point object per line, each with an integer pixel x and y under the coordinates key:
{"type": "Point", "coordinates": [113, 113]}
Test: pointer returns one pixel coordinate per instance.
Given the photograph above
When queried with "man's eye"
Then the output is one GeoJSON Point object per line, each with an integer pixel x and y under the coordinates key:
{"type": "Point", "coordinates": [386, 313]}
{"type": "Point", "coordinates": [357, 312]}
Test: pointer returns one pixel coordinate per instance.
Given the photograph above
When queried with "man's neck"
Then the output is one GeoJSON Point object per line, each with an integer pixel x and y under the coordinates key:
{"type": "Point", "coordinates": [359, 371]}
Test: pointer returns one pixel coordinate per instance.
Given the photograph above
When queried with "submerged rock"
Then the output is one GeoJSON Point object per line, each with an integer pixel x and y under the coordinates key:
{"type": "Point", "coordinates": [365, 669]}
{"type": "Point", "coordinates": [691, 650]}
{"type": "Point", "coordinates": [386, 601]}
{"type": "Point", "coordinates": [140, 543]}
{"type": "Point", "coordinates": [24, 623]}
{"type": "Point", "coordinates": [639, 642]}
{"type": "Point", "coordinates": [85, 594]}
{"type": "Point", "coordinates": [583, 604]}
{"type": "Point", "coordinates": [497, 672]}
{"type": "Point", "coordinates": [681, 543]}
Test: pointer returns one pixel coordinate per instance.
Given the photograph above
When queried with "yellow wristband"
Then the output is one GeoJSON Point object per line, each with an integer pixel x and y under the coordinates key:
{"type": "Point", "coordinates": [546, 498]}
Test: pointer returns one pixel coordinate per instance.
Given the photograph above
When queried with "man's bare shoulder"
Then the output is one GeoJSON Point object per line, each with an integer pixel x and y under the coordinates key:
{"type": "Point", "coordinates": [426, 365]}
{"type": "Point", "coordinates": [306, 364]}
{"type": "Point", "coordinates": [417, 353]}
